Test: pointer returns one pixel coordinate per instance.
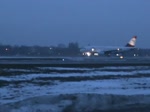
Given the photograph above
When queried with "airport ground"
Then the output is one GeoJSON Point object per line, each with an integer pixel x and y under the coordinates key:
{"type": "Point", "coordinates": [107, 85]}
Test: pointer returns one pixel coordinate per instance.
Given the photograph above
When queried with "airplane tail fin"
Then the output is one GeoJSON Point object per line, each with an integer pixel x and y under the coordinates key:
{"type": "Point", "coordinates": [132, 42]}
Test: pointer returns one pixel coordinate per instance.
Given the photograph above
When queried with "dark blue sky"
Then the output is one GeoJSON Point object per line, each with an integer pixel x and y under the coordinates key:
{"type": "Point", "coordinates": [98, 22]}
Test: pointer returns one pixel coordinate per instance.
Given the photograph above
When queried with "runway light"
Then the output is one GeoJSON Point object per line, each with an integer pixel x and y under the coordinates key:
{"type": "Point", "coordinates": [118, 49]}
{"type": "Point", "coordinates": [121, 57]}
{"type": "Point", "coordinates": [6, 49]}
{"type": "Point", "coordinates": [117, 54]}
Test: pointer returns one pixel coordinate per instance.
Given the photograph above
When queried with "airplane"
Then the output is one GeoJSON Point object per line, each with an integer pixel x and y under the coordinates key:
{"type": "Point", "coordinates": [107, 50]}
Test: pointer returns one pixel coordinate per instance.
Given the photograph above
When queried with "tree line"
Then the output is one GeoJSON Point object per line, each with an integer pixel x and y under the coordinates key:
{"type": "Point", "coordinates": [72, 49]}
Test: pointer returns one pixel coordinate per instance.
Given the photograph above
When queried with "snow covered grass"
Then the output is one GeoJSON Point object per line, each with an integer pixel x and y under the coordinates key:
{"type": "Point", "coordinates": [80, 103]}
{"type": "Point", "coordinates": [114, 86]}
{"type": "Point", "coordinates": [57, 81]}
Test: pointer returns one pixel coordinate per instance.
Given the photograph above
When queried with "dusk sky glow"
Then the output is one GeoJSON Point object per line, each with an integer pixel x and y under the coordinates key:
{"type": "Point", "coordinates": [95, 22]}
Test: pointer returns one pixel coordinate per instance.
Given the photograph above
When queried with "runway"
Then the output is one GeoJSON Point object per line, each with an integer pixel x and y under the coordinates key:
{"type": "Point", "coordinates": [73, 61]}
